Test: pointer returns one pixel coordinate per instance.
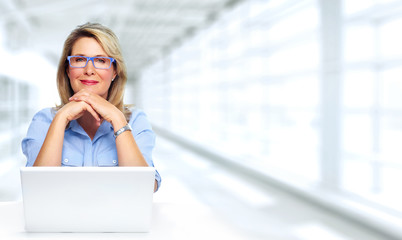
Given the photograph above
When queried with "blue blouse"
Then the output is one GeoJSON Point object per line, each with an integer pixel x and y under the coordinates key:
{"type": "Point", "coordinates": [78, 148]}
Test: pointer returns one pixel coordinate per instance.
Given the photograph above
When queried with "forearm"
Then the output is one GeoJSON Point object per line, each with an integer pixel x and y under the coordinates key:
{"type": "Point", "coordinates": [51, 150]}
{"type": "Point", "coordinates": [128, 152]}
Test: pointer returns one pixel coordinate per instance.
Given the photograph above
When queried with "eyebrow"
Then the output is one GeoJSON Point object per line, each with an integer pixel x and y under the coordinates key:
{"type": "Point", "coordinates": [80, 54]}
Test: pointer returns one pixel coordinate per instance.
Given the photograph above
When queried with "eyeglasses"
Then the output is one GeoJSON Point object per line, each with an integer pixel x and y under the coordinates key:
{"type": "Point", "coordinates": [98, 62]}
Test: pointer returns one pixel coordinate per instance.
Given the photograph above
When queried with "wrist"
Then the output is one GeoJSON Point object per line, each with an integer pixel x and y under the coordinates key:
{"type": "Point", "coordinates": [61, 119]}
{"type": "Point", "coordinates": [119, 122]}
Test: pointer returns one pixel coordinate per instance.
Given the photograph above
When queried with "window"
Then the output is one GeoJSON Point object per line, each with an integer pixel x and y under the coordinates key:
{"type": "Point", "coordinates": [309, 88]}
{"type": "Point", "coordinates": [251, 98]}
{"type": "Point", "coordinates": [372, 101]}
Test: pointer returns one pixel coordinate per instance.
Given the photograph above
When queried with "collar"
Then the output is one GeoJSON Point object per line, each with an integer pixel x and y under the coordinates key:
{"type": "Point", "coordinates": [104, 128]}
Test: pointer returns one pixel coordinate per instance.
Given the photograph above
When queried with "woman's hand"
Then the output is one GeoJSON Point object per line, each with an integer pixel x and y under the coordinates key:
{"type": "Point", "coordinates": [101, 106]}
{"type": "Point", "coordinates": [74, 110]}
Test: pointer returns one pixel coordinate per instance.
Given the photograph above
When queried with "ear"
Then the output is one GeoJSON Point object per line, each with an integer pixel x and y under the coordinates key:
{"type": "Point", "coordinates": [114, 75]}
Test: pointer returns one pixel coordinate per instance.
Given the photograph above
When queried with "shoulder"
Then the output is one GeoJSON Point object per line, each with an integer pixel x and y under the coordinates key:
{"type": "Point", "coordinates": [40, 124]}
{"type": "Point", "coordinates": [136, 113]}
{"type": "Point", "coordinates": [45, 115]}
{"type": "Point", "coordinates": [139, 119]}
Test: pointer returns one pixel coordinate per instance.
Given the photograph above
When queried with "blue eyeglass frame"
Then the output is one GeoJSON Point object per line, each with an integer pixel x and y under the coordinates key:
{"type": "Point", "coordinates": [112, 60]}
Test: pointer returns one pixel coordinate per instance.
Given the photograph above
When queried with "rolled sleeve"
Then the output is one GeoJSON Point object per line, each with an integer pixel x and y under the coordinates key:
{"type": "Point", "coordinates": [36, 134]}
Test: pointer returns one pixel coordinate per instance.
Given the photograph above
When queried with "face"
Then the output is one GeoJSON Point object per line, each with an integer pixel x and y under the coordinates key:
{"type": "Point", "coordinates": [95, 80]}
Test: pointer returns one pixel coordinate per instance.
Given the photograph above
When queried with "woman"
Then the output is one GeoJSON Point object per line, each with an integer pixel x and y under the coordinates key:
{"type": "Point", "coordinates": [91, 126]}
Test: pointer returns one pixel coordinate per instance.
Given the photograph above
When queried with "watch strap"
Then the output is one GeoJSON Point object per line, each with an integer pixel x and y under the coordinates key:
{"type": "Point", "coordinates": [122, 130]}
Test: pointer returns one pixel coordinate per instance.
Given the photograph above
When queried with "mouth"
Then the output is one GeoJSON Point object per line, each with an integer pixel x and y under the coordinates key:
{"type": "Point", "coordinates": [89, 82]}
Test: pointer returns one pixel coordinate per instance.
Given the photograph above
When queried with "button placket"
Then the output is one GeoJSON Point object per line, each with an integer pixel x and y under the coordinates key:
{"type": "Point", "coordinates": [88, 158]}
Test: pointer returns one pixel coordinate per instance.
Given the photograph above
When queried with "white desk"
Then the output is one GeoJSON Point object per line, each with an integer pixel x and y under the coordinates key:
{"type": "Point", "coordinates": [170, 221]}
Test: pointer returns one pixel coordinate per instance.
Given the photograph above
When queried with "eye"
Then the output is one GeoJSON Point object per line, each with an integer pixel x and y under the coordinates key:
{"type": "Point", "coordinates": [101, 60]}
{"type": "Point", "coordinates": [79, 59]}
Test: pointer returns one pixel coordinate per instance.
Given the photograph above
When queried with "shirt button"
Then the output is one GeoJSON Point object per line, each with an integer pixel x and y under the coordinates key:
{"type": "Point", "coordinates": [66, 160]}
{"type": "Point", "coordinates": [114, 161]}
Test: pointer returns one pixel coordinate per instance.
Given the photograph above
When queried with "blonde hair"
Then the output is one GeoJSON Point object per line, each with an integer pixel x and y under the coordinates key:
{"type": "Point", "coordinates": [110, 43]}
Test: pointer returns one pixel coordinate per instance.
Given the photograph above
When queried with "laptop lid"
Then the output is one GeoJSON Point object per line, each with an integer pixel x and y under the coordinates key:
{"type": "Point", "coordinates": [87, 199]}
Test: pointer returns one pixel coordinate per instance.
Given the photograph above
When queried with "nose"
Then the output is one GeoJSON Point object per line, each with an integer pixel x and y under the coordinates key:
{"type": "Point", "coordinates": [89, 68]}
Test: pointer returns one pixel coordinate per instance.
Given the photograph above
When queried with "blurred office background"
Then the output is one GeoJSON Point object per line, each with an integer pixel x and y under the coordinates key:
{"type": "Point", "coordinates": [300, 99]}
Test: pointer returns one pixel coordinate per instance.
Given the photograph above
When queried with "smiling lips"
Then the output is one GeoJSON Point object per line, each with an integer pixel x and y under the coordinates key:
{"type": "Point", "coordinates": [89, 82]}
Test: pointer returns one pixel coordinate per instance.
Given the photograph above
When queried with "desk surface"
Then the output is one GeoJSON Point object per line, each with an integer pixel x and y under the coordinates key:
{"type": "Point", "coordinates": [170, 221]}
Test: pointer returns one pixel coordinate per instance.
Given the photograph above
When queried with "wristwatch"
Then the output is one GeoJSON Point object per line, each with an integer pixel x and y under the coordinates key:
{"type": "Point", "coordinates": [122, 130]}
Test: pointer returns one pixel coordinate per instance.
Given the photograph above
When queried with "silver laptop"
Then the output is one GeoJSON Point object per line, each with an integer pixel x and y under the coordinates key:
{"type": "Point", "coordinates": [87, 199]}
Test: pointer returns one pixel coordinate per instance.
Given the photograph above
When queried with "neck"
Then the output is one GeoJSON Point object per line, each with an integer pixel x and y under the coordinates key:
{"type": "Point", "coordinates": [89, 124]}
